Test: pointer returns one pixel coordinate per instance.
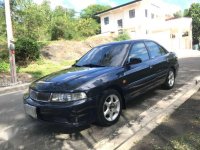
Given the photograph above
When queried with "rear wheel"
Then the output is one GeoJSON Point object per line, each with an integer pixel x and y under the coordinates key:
{"type": "Point", "coordinates": [109, 108]}
{"type": "Point", "coordinates": [170, 81]}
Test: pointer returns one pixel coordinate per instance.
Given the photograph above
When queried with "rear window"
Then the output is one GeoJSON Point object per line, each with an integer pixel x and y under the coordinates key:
{"type": "Point", "coordinates": [155, 49]}
{"type": "Point", "coordinates": [139, 51]}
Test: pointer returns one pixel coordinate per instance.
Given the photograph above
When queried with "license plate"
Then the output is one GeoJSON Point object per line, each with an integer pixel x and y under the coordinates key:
{"type": "Point", "coordinates": [30, 110]}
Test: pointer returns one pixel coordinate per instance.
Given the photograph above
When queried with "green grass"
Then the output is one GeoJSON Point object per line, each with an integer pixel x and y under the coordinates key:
{"type": "Point", "coordinates": [43, 43]}
{"type": "Point", "coordinates": [44, 67]}
{"type": "Point", "coordinates": [38, 68]}
{"type": "Point", "coordinates": [189, 141]}
{"type": "Point", "coordinates": [196, 120]}
{"type": "Point", "coordinates": [4, 66]}
{"type": "Point", "coordinates": [122, 37]}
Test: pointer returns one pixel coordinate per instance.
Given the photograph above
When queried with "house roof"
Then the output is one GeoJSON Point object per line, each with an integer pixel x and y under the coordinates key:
{"type": "Point", "coordinates": [135, 1]}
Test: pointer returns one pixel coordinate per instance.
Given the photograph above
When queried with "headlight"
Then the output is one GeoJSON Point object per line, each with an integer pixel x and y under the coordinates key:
{"type": "Point", "coordinates": [67, 97]}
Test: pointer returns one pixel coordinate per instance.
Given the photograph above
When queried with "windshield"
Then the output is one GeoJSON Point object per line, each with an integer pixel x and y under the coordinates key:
{"type": "Point", "coordinates": [107, 55]}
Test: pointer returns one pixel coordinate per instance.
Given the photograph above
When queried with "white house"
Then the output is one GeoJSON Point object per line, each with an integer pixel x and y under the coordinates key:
{"type": "Point", "coordinates": [149, 19]}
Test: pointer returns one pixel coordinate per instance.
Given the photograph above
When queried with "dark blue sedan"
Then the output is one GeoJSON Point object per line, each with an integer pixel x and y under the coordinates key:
{"type": "Point", "coordinates": [98, 86]}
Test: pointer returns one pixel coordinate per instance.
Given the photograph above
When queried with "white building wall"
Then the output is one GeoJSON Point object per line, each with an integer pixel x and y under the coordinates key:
{"type": "Point", "coordinates": [145, 27]}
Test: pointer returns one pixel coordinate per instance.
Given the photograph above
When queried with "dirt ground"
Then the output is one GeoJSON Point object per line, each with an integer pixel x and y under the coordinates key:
{"type": "Point", "coordinates": [180, 131]}
{"type": "Point", "coordinates": [72, 50]}
{"type": "Point", "coordinates": [5, 78]}
{"type": "Point", "coordinates": [59, 51]}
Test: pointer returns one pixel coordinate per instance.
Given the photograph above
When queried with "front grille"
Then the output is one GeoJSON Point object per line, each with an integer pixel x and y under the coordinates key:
{"type": "Point", "coordinates": [40, 96]}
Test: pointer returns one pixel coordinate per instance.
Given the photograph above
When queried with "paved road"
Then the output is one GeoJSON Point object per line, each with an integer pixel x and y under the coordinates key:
{"type": "Point", "coordinates": [18, 131]}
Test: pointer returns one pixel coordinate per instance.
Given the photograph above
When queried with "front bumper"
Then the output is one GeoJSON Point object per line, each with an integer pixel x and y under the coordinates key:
{"type": "Point", "coordinates": [74, 114]}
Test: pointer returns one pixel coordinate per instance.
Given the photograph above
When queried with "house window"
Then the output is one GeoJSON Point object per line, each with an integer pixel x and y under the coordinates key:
{"type": "Point", "coordinates": [132, 13]}
{"type": "Point", "coordinates": [146, 13]}
{"type": "Point", "coordinates": [120, 23]}
{"type": "Point", "coordinates": [172, 36]}
{"type": "Point", "coordinates": [152, 16]}
{"type": "Point", "coordinates": [106, 20]}
{"type": "Point", "coordinates": [185, 34]}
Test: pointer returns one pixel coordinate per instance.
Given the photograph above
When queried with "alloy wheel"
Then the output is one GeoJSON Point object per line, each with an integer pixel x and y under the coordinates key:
{"type": "Point", "coordinates": [111, 107]}
{"type": "Point", "coordinates": [171, 78]}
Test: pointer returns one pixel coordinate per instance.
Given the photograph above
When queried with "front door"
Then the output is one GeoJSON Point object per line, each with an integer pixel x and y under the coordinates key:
{"type": "Point", "coordinates": [138, 75]}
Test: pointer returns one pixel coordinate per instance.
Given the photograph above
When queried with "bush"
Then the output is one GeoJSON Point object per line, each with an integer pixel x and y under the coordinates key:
{"type": "Point", "coordinates": [57, 33]}
{"type": "Point", "coordinates": [61, 29]}
{"type": "Point", "coordinates": [4, 55]}
{"type": "Point", "coordinates": [123, 37]}
{"type": "Point", "coordinates": [27, 50]}
{"type": "Point", "coordinates": [87, 27]}
{"type": "Point", "coordinates": [4, 66]}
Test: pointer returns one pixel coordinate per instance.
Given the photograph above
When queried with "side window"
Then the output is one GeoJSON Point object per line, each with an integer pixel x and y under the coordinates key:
{"type": "Point", "coordinates": [163, 51]}
{"type": "Point", "coordinates": [139, 52]}
{"type": "Point", "coordinates": [132, 13]}
{"type": "Point", "coordinates": [106, 20]}
{"type": "Point", "coordinates": [146, 13]}
{"type": "Point", "coordinates": [155, 49]}
{"type": "Point", "coordinates": [152, 16]}
{"type": "Point", "coordinates": [120, 23]}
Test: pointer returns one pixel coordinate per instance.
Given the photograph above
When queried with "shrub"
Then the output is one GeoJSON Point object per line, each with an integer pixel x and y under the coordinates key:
{"type": "Point", "coordinates": [4, 55]}
{"type": "Point", "coordinates": [87, 27]}
{"type": "Point", "coordinates": [57, 32]}
{"type": "Point", "coordinates": [27, 50]}
{"type": "Point", "coordinates": [4, 66]}
{"type": "Point", "coordinates": [122, 37]}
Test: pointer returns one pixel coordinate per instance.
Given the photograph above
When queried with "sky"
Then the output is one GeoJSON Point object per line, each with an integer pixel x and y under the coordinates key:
{"type": "Point", "coordinates": [78, 5]}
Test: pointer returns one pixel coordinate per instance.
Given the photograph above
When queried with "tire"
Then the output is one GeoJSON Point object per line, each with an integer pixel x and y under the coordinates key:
{"type": "Point", "coordinates": [170, 81]}
{"type": "Point", "coordinates": [109, 108]}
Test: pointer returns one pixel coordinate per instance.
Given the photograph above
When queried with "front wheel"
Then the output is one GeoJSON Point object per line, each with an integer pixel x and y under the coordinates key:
{"type": "Point", "coordinates": [170, 81]}
{"type": "Point", "coordinates": [109, 108]}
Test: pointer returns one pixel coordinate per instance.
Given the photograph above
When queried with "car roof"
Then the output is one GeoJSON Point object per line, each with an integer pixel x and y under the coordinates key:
{"type": "Point", "coordinates": [126, 42]}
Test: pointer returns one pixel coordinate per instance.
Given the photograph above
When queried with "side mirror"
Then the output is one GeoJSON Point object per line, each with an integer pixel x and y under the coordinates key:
{"type": "Point", "coordinates": [134, 61]}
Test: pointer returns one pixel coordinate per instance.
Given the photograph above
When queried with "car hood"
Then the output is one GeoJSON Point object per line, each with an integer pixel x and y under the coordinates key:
{"type": "Point", "coordinates": [68, 80]}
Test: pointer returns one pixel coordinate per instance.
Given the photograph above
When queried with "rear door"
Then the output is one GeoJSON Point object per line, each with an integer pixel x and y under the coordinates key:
{"type": "Point", "coordinates": [159, 64]}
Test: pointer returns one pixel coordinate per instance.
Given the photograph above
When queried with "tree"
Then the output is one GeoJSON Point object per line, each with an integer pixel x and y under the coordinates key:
{"type": "Point", "coordinates": [178, 14]}
{"type": "Point", "coordinates": [2, 25]}
{"type": "Point", "coordinates": [62, 23]}
{"type": "Point", "coordinates": [194, 12]}
{"type": "Point", "coordinates": [40, 22]}
{"type": "Point", "coordinates": [86, 27]}
{"type": "Point", "coordinates": [91, 10]}
{"type": "Point", "coordinates": [32, 20]}
{"type": "Point", "coordinates": [186, 13]}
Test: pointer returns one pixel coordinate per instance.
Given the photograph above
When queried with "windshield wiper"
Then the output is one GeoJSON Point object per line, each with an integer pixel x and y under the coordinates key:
{"type": "Point", "coordinates": [92, 65]}
{"type": "Point", "coordinates": [75, 65]}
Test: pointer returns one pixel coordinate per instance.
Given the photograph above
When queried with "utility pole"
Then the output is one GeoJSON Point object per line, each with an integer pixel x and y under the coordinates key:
{"type": "Point", "coordinates": [10, 39]}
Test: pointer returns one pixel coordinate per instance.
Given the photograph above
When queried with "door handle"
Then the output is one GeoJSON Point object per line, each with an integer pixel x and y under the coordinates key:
{"type": "Point", "coordinates": [167, 59]}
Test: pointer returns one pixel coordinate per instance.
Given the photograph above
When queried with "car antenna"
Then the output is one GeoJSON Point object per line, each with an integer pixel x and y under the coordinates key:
{"type": "Point", "coordinates": [89, 44]}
